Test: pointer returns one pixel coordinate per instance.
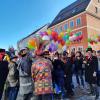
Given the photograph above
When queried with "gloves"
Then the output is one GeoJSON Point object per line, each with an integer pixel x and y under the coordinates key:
{"type": "Point", "coordinates": [94, 74]}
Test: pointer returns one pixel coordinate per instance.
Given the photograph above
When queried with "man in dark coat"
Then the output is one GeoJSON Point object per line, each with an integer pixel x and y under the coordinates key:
{"type": "Point", "coordinates": [79, 71]}
{"type": "Point", "coordinates": [91, 65]}
{"type": "Point", "coordinates": [98, 73]}
{"type": "Point", "coordinates": [58, 76]}
{"type": "Point", "coordinates": [3, 71]}
{"type": "Point", "coordinates": [68, 73]}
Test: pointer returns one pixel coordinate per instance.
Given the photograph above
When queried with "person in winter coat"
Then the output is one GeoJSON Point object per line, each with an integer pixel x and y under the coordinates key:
{"type": "Point", "coordinates": [68, 73]}
{"type": "Point", "coordinates": [13, 79]}
{"type": "Point", "coordinates": [98, 73]}
{"type": "Point", "coordinates": [41, 73]}
{"type": "Point", "coordinates": [58, 75]}
{"type": "Point", "coordinates": [3, 71]}
{"type": "Point", "coordinates": [79, 71]}
{"type": "Point", "coordinates": [91, 65]}
{"type": "Point", "coordinates": [25, 79]}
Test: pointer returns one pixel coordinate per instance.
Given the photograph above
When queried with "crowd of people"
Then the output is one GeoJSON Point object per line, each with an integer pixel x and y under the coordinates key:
{"type": "Point", "coordinates": [48, 76]}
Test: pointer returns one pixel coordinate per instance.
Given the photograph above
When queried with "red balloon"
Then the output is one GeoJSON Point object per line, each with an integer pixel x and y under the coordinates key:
{"type": "Point", "coordinates": [77, 38]}
{"type": "Point", "coordinates": [91, 42]}
{"type": "Point", "coordinates": [62, 42]}
{"type": "Point", "coordinates": [55, 36]}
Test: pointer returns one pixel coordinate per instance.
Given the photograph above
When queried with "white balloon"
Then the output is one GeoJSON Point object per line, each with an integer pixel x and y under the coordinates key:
{"type": "Point", "coordinates": [74, 37]}
{"type": "Point", "coordinates": [45, 38]}
{"type": "Point", "coordinates": [71, 38]}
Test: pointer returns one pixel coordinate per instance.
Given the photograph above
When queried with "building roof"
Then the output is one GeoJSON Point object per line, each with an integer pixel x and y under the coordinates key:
{"type": "Point", "coordinates": [32, 33]}
{"type": "Point", "coordinates": [23, 42]}
{"type": "Point", "coordinates": [70, 11]}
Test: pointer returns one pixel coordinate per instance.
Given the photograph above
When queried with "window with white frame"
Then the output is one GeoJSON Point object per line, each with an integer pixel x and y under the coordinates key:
{"type": "Point", "coordinates": [71, 24]}
{"type": "Point", "coordinates": [61, 29]}
{"type": "Point", "coordinates": [78, 21]}
{"type": "Point", "coordinates": [66, 26]}
{"type": "Point", "coordinates": [56, 30]}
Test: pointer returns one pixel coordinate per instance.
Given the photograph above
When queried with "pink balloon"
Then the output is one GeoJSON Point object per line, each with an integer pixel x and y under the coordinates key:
{"type": "Point", "coordinates": [81, 37]}
{"type": "Point", "coordinates": [45, 33]}
{"type": "Point", "coordinates": [77, 38]}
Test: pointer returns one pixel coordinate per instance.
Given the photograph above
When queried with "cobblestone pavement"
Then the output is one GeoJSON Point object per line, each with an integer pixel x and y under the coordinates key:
{"type": "Point", "coordinates": [80, 95]}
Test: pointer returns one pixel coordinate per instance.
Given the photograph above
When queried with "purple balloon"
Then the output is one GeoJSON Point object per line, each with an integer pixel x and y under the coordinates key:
{"type": "Point", "coordinates": [52, 47]}
{"type": "Point", "coordinates": [41, 33]}
{"type": "Point", "coordinates": [50, 37]}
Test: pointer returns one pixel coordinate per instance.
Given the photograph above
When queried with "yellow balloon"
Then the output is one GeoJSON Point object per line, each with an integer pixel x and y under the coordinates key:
{"type": "Point", "coordinates": [49, 32]}
{"type": "Point", "coordinates": [62, 34]}
{"type": "Point", "coordinates": [59, 46]}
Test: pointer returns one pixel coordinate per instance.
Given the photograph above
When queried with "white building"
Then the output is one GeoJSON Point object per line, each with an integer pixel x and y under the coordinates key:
{"type": "Point", "coordinates": [23, 42]}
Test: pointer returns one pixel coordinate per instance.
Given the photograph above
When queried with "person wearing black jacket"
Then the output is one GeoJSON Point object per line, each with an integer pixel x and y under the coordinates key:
{"type": "Point", "coordinates": [79, 71]}
{"type": "Point", "coordinates": [68, 73]}
{"type": "Point", "coordinates": [91, 66]}
{"type": "Point", "coordinates": [3, 71]}
{"type": "Point", "coordinates": [58, 75]}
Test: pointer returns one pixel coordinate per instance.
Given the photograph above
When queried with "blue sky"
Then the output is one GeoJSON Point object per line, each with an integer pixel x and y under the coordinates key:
{"type": "Point", "coordinates": [18, 18]}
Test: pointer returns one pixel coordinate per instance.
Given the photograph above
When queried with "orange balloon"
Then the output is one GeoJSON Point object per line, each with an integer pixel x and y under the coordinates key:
{"type": "Point", "coordinates": [32, 42]}
{"type": "Point", "coordinates": [59, 38]}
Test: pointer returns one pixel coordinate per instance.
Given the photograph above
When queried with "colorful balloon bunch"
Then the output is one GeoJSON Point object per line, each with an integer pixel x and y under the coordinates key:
{"type": "Point", "coordinates": [76, 37]}
{"type": "Point", "coordinates": [59, 39]}
{"type": "Point", "coordinates": [94, 40]}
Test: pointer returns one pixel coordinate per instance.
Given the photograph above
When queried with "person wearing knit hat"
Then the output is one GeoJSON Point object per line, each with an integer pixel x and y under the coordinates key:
{"type": "Point", "coordinates": [3, 71]}
{"type": "Point", "coordinates": [41, 74]}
